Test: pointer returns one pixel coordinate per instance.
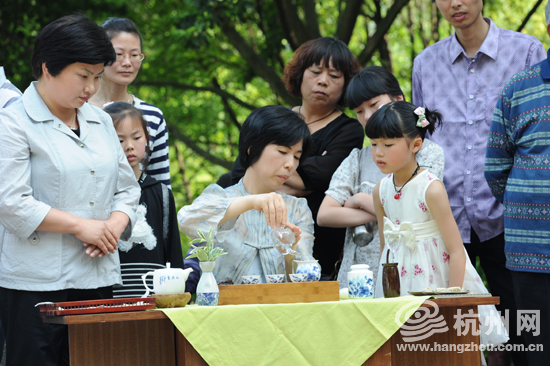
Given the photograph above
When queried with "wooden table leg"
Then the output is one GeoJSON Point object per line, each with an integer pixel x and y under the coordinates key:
{"type": "Point", "coordinates": [186, 355]}
{"type": "Point", "coordinates": [131, 343]}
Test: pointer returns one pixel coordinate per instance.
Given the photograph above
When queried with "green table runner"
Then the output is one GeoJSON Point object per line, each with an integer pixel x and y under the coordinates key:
{"type": "Point", "coordinates": [344, 332]}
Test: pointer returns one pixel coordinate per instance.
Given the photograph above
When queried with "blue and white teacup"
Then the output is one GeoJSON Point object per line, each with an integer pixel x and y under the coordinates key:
{"type": "Point", "coordinates": [298, 277]}
{"type": "Point", "coordinates": [251, 280]}
{"type": "Point", "coordinates": [275, 278]}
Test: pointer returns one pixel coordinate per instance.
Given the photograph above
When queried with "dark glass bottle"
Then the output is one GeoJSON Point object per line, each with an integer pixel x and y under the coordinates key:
{"type": "Point", "coordinates": [390, 280]}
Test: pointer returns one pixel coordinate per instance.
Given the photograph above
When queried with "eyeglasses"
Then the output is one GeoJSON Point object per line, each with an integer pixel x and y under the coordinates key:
{"type": "Point", "coordinates": [134, 57]}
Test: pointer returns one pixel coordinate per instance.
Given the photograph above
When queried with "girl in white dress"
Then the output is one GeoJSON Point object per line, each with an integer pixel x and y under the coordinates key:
{"type": "Point", "coordinates": [348, 200]}
{"type": "Point", "coordinates": [418, 222]}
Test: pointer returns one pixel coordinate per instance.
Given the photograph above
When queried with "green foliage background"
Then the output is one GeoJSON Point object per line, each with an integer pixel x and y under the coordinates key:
{"type": "Point", "coordinates": [210, 62]}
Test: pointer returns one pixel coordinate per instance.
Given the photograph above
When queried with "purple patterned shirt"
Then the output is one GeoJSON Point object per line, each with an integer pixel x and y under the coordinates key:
{"type": "Point", "coordinates": [465, 92]}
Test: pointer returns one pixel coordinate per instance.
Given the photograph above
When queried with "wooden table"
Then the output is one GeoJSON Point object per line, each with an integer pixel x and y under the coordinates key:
{"type": "Point", "coordinates": [149, 338]}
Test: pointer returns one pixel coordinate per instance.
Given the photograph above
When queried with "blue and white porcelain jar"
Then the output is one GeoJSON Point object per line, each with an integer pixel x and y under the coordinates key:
{"type": "Point", "coordinates": [310, 268]}
{"type": "Point", "coordinates": [208, 292]}
{"type": "Point", "coordinates": [360, 282]}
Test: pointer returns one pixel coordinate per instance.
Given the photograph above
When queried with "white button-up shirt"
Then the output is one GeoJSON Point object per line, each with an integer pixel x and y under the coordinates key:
{"type": "Point", "coordinates": [43, 164]}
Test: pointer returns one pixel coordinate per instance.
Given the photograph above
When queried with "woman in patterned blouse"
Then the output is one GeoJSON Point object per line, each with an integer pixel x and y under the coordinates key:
{"type": "Point", "coordinates": [348, 201]}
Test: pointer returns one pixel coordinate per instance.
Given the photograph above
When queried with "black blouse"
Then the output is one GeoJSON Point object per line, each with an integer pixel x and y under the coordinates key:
{"type": "Point", "coordinates": [337, 139]}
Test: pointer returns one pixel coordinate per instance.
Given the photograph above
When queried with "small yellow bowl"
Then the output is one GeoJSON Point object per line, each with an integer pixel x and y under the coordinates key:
{"type": "Point", "coordinates": [176, 300]}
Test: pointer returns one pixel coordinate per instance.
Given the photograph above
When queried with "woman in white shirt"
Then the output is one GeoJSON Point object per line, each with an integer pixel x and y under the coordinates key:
{"type": "Point", "coordinates": [273, 140]}
{"type": "Point", "coordinates": [67, 193]}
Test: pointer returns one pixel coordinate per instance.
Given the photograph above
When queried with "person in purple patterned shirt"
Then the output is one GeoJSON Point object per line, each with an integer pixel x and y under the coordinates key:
{"type": "Point", "coordinates": [461, 76]}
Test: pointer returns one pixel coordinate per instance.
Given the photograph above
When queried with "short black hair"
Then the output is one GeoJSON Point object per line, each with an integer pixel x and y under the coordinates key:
{"type": "Point", "coordinates": [397, 119]}
{"type": "Point", "coordinates": [371, 82]}
{"type": "Point", "coordinates": [314, 51]}
{"type": "Point", "coordinates": [71, 39]}
{"type": "Point", "coordinates": [114, 26]}
{"type": "Point", "coordinates": [273, 124]}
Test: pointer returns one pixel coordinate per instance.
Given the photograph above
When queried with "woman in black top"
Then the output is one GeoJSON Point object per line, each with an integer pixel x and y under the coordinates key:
{"type": "Point", "coordinates": [319, 73]}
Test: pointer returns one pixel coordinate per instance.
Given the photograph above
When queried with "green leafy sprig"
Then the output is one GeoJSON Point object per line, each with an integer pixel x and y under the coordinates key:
{"type": "Point", "coordinates": [207, 253]}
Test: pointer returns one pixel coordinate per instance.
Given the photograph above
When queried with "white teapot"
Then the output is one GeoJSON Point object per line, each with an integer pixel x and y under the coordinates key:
{"type": "Point", "coordinates": [167, 280]}
{"type": "Point", "coordinates": [311, 268]}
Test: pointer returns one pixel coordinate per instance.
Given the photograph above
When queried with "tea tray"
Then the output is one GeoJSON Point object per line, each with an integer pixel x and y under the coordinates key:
{"type": "Point", "coordinates": [279, 293]}
{"type": "Point", "coordinates": [96, 306]}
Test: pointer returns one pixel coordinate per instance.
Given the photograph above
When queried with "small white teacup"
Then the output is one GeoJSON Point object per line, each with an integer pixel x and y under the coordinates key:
{"type": "Point", "coordinates": [298, 277]}
{"type": "Point", "coordinates": [251, 280]}
{"type": "Point", "coordinates": [275, 278]}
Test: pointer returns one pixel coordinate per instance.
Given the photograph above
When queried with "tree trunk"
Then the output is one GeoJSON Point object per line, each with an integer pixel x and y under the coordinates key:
{"type": "Point", "coordinates": [222, 93]}
{"type": "Point", "coordinates": [435, 22]}
{"type": "Point", "coordinates": [347, 20]}
{"type": "Point", "coordinates": [227, 106]}
{"type": "Point", "coordinates": [312, 22]}
{"type": "Point", "coordinates": [408, 20]}
{"type": "Point", "coordinates": [385, 56]}
{"type": "Point", "coordinates": [294, 28]}
{"type": "Point", "coordinates": [529, 15]}
{"type": "Point", "coordinates": [184, 177]}
{"type": "Point", "coordinates": [258, 64]}
{"type": "Point", "coordinates": [381, 30]}
{"type": "Point", "coordinates": [178, 135]}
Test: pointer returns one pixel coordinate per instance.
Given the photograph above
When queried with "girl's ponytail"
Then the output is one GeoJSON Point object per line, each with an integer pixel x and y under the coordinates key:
{"type": "Point", "coordinates": [402, 119]}
{"type": "Point", "coordinates": [428, 120]}
{"type": "Point", "coordinates": [435, 119]}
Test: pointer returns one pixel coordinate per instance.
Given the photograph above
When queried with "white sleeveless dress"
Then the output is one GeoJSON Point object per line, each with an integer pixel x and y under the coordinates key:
{"type": "Point", "coordinates": [421, 253]}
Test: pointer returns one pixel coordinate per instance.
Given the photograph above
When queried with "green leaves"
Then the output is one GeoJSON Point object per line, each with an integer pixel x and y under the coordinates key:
{"type": "Point", "coordinates": [208, 252]}
{"type": "Point", "coordinates": [202, 81]}
{"type": "Point", "coordinates": [203, 257]}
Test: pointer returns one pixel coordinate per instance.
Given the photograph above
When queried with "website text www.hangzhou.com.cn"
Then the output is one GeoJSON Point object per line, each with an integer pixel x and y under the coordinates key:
{"type": "Point", "coordinates": [469, 347]}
